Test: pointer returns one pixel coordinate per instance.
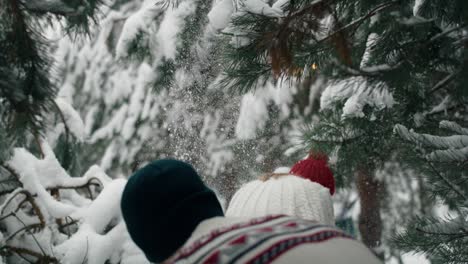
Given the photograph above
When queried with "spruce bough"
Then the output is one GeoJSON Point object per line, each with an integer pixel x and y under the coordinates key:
{"type": "Point", "coordinates": [389, 66]}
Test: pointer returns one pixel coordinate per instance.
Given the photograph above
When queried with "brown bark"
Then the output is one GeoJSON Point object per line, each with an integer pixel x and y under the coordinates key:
{"type": "Point", "coordinates": [370, 221]}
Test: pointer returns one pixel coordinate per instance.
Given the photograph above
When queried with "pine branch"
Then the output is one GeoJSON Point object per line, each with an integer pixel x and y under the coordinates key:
{"type": "Point", "coordinates": [375, 11]}
{"type": "Point", "coordinates": [6, 216]}
{"type": "Point", "coordinates": [64, 121]}
{"type": "Point", "coordinates": [30, 199]}
{"type": "Point", "coordinates": [49, 6]}
{"type": "Point", "coordinates": [370, 71]}
{"type": "Point", "coordinates": [452, 108]}
{"type": "Point", "coordinates": [444, 142]}
{"type": "Point", "coordinates": [8, 183]}
{"type": "Point", "coordinates": [458, 235]}
{"type": "Point", "coordinates": [5, 192]}
{"type": "Point", "coordinates": [445, 33]}
{"type": "Point", "coordinates": [336, 137]}
{"type": "Point", "coordinates": [27, 71]}
{"type": "Point", "coordinates": [25, 259]}
{"type": "Point", "coordinates": [45, 259]}
{"type": "Point", "coordinates": [67, 224]}
{"type": "Point", "coordinates": [11, 171]}
{"type": "Point", "coordinates": [317, 4]}
{"type": "Point", "coordinates": [456, 141]}
{"type": "Point", "coordinates": [448, 182]}
{"type": "Point", "coordinates": [453, 127]}
{"type": "Point", "coordinates": [39, 145]}
{"type": "Point", "coordinates": [168, 3]}
{"type": "Point", "coordinates": [438, 243]}
{"type": "Point", "coordinates": [449, 155]}
{"type": "Point", "coordinates": [443, 82]}
{"type": "Point", "coordinates": [26, 89]}
{"type": "Point", "coordinates": [26, 228]}
{"type": "Point", "coordinates": [93, 181]}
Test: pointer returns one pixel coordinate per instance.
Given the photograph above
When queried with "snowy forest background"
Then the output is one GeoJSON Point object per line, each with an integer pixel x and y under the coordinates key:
{"type": "Point", "coordinates": [92, 90]}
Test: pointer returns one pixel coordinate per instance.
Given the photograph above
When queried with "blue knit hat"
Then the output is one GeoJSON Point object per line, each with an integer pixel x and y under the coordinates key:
{"type": "Point", "coordinates": [163, 203]}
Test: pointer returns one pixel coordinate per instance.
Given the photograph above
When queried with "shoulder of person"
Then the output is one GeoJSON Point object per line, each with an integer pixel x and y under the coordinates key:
{"type": "Point", "coordinates": [270, 239]}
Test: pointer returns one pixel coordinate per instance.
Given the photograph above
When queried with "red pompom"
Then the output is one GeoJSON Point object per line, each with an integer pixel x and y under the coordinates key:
{"type": "Point", "coordinates": [315, 168]}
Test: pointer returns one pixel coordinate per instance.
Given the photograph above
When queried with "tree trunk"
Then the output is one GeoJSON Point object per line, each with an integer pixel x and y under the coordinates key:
{"type": "Point", "coordinates": [370, 222]}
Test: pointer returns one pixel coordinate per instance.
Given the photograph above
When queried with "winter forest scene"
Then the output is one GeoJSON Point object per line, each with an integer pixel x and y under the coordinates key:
{"type": "Point", "coordinates": [247, 92]}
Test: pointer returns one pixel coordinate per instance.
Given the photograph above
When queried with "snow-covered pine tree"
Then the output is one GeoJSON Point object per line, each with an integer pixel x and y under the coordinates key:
{"type": "Point", "coordinates": [385, 63]}
{"type": "Point", "coordinates": [444, 161]}
{"type": "Point", "coordinates": [48, 215]}
{"type": "Point", "coordinates": [27, 74]}
{"type": "Point", "coordinates": [26, 87]}
{"type": "Point", "coordinates": [142, 85]}
{"type": "Point", "coordinates": [134, 111]}
{"type": "Point", "coordinates": [138, 95]}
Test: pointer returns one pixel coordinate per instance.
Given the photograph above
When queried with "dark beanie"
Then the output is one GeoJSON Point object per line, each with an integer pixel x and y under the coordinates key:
{"type": "Point", "coordinates": [163, 203]}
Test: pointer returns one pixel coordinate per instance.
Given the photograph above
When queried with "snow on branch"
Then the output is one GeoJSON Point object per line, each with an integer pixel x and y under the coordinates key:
{"type": "Point", "coordinates": [49, 216]}
{"type": "Point", "coordinates": [378, 69]}
{"type": "Point", "coordinates": [261, 8]}
{"type": "Point", "coordinates": [377, 10]}
{"type": "Point", "coordinates": [220, 14]}
{"type": "Point", "coordinates": [356, 92]}
{"type": "Point", "coordinates": [458, 155]}
{"type": "Point", "coordinates": [417, 6]}
{"type": "Point", "coordinates": [453, 227]}
{"type": "Point", "coordinates": [443, 82]}
{"type": "Point", "coordinates": [79, 15]}
{"type": "Point", "coordinates": [172, 25]}
{"type": "Point", "coordinates": [253, 116]}
{"type": "Point", "coordinates": [450, 142]}
{"type": "Point", "coordinates": [451, 149]}
{"type": "Point", "coordinates": [453, 127]}
{"type": "Point", "coordinates": [71, 119]}
{"type": "Point", "coordinates": [254, 111]}
{"type": "Point", "coordinates": [137, 23]}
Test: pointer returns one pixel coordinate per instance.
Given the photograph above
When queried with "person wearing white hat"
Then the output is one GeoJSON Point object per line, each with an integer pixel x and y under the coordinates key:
{"type": "Point", "coordinates": [304, 192]}
{"type": "Point", "coordinates": [173, 217]}
{"type": "Point", "coordinates": [283, 193]}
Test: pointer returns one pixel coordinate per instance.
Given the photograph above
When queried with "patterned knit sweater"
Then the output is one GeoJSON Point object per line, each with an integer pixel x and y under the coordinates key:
{"type": "Point", "coordinates": [272, 239]}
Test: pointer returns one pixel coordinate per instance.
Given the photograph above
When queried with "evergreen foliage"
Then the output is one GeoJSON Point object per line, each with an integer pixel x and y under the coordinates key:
{"type": "Point", "coordinates": [147, 88]}
{"type": "Point", "coordinates": [444, 162]}
{"type": "Point", "coordinates": [385, 63]}
{"type": "Point", "coordinates": [156, 80]}
{"type": "Point", "coordinates": [27, 87]}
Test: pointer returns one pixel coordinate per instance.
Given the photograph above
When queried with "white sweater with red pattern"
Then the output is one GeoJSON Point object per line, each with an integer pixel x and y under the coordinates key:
{"type": "Point", "coordinates": [272, 239]}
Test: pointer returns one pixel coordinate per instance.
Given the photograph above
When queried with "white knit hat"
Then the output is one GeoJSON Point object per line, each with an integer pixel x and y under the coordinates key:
{"type": "Point", "coordinates": [285, 194]}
